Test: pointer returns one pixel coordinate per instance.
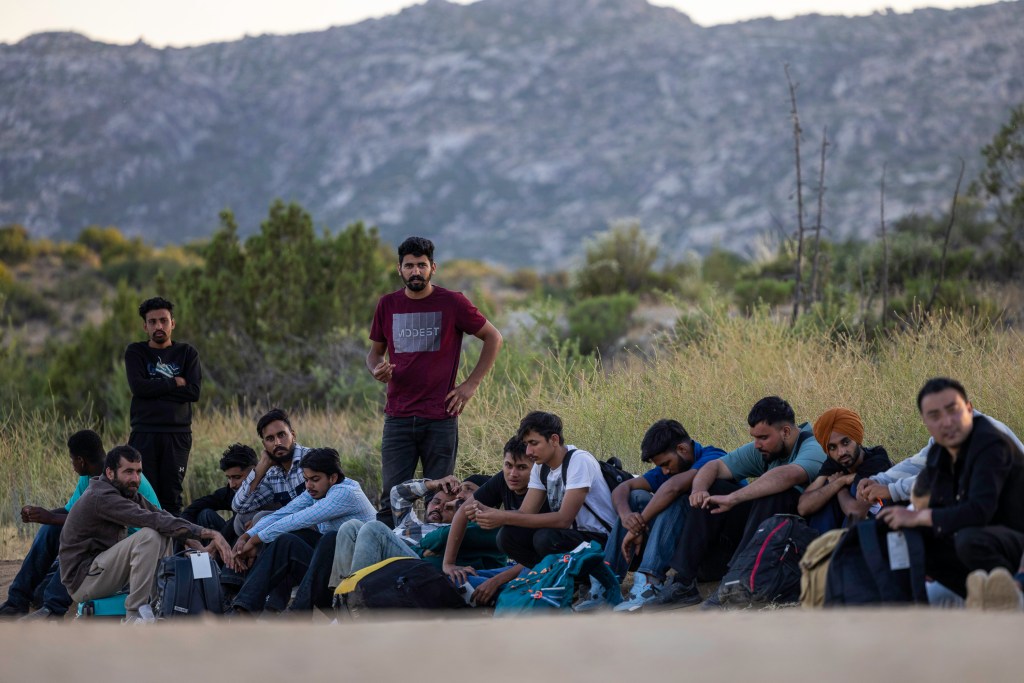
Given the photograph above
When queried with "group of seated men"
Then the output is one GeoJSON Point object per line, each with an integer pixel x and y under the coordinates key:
{"type": "Point", "coordinates": [299, 525]}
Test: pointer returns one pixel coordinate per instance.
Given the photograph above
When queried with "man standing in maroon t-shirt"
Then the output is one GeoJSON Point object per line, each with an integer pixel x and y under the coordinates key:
{"type": "Point", "coordinates": [419, 329]}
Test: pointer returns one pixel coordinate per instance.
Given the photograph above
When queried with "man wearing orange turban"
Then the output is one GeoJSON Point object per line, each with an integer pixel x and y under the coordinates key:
{"type": "Point", "coordinates": [831, 498]}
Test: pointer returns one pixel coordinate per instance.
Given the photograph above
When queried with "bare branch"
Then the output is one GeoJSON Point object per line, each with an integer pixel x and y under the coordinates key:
{"type": "Point", "coordinates": [885, 254]}
{"type": "Point", "coordinates": [815, 294]}
{"type": "Point", "coordinates": [798, 287]}
{"type": "Point", "coordinates": [945, 243]}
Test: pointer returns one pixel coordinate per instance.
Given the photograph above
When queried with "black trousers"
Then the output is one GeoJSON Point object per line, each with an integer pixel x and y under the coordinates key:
{"type": "Point", "coordinates": [164, 461]}
{"type": "Point", "coordinates": [284, 562]}
{"type": "Point", "coordinates": [313, 589]}
{"type": "Point", "coordinates": [950, 560]}
{"type": "Point", "coordinates": [408, 441]}
{"type": "Point", "coordinates": [530, 546]}
{"type": "Point", "coordinates": [707, 537]}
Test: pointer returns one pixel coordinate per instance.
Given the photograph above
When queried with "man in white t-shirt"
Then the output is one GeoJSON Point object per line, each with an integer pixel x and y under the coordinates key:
{"type": "Point", "coordinates": [570, 480]}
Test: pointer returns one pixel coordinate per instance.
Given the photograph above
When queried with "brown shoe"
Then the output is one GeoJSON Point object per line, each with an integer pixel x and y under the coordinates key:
{"type": "Point", "coordinates": [976, 582]}
{"type": "Point", "coordinates": [1001, 592]}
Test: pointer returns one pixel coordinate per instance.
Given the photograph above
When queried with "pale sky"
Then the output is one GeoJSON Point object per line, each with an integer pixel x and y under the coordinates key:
{"type": "Point", "coordinates": [194, 22]}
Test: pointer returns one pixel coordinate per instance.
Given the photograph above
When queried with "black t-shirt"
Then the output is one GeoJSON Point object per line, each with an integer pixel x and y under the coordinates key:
{"type": "Point", "coordinates": [876, 461]}
{"type": "Point", "coordinates": [496, 493]}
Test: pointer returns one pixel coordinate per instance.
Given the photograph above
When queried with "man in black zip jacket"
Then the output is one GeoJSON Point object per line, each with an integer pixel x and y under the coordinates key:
{"type": "Point", "coordinates": [975, 519]}
{"type": "Point", "coordinates": [236, 462]}
{"type": "Point", "coordinates": [165, 378]}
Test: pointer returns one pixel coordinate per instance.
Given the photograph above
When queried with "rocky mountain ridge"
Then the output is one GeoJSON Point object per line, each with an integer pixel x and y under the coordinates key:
{"type": "Point", "coordinates": [508, 130]}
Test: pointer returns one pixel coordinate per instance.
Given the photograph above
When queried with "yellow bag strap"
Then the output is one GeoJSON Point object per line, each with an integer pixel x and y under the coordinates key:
{"type": "Point", "coordinates": [349, 582]}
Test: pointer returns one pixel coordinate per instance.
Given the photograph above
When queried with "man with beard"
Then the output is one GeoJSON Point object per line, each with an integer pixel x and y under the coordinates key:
{"type": "Point", "coordinates": [725, 515]}
{"type": "Point", "coordinates": [96, 560]}
{"type": "Point", "coordinates": [277, 478]}
{"type": "Point", "coordinates": [831, 499]}
{"type": "Point", "coordinates": [39, 576]}
{"type": "Point", "coordinates": [416, 342]}
{"type": "Point", "coordinates": [652, 509]}
{"type": "Point", "coordinates": [165, 378]}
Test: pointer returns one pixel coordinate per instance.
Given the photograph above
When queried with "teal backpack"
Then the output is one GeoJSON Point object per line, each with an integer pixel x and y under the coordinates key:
{"type": "Point", "coordinates": [549, 586]}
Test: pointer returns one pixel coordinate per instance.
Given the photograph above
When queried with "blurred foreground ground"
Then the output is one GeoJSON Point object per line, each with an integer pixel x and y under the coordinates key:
{"type": "Point", "coordinates": [868, 646]}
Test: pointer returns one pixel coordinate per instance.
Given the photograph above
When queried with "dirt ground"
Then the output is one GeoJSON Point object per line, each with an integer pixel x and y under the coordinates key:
{"type": "Point", "coordinates": [783, 645]}
{"type": "Point", "coordinates": [867, 646]}
{"type": "Point", "coordinates": [8, 568]}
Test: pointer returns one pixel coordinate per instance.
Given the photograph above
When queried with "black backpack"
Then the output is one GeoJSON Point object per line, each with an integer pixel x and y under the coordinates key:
{"type": "Point", "coordinates": [611, 471]}
{"type": "Point", "coordinates": [397, 583]}
{"type": "Point", "coordinates": [767, 570]}
{"type": "Point", "coordinates": [179, 594]}
{"type": "Point", "coordinates": [860, 574]}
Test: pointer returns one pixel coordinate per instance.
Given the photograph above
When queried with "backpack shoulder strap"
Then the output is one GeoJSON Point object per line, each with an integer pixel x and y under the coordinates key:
{"type": "Point", "coordinates": [545, 470]}
{"type": "Point", "coordinates": [565, 466]}
{"type": "Point", "coordinates": [801, 437]}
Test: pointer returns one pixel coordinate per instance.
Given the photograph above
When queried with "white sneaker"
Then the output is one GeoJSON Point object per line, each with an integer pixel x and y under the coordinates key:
{"type": "Point", "coordinates": [643, 591]}
{"type": "Point", "coordinates": [594, 600]}
{"type": "Point", "coordinates": [143, 618]}
{"type": "Point", "coordinates": [135, 621]}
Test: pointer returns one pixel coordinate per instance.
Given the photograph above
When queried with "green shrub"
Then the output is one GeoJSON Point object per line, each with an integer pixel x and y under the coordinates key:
{"type": "Point", "coordinates": [598, 322]}
{"type": "Point", "coordinates": [750, 294]}
{"type": "Point", "coordinates": [15, 244]}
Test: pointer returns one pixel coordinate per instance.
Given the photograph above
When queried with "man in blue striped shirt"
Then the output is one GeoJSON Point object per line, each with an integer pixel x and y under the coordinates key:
{"type": "Point", "coordinates": [330, 499]}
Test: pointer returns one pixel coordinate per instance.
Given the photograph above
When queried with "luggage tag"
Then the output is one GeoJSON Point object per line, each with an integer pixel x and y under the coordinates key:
{"type": "Point", "coordinates": [899, 553]}
{"type": "Point", "coordinates": [201, 566]}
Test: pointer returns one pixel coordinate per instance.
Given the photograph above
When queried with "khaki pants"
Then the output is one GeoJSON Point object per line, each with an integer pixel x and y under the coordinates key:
{"type": "Point", "coordinates": [133, 561]}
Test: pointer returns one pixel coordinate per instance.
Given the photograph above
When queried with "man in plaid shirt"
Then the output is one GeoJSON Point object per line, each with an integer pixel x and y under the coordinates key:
{"type": "Point", "coordinates": [277, 478]}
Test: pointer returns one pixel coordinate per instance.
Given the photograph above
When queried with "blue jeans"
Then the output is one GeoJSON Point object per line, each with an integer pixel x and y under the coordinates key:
{"type": "Point", "coordinates": [660, 544]}
{"type": "Point", "coordinates": [409, 441]}
{"type": "Point", "coordinates": [39, 576]}
{"type": "Point", "coordinates": [829, 517]}
{"type": "Point", "coordinates": [362, 544]}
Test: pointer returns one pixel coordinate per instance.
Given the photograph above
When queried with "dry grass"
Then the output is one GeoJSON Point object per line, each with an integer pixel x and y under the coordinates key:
{"type": "Point", "coordinates": [709, 386]}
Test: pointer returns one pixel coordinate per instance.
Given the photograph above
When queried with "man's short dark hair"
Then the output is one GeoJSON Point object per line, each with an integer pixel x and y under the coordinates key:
{"type": "Point", "coordinates": [516, 448]}
{"type": "Point", "coordinates": [272, 415]}
{"type": "Point", "coordinates": [115, 454]}
{"type": "Point", "coordinates": [237, 455]}
{"type": "Point", "coordinates": [417, 246]}
{"type": "Point", "coordinates": [772, 410]}
{"type": "Point", "coordinates": [937, 384]}
{"type": "Point", "coordinates": [663, 435]}
{"type": "Point", "coordinates": [324, 460]}
{"type": "Point", "coordinates": [87, 445]}
{"type": "Point", "coordinates": [155, 304]}
{"type": "Point", "coordinates": [545, 424]}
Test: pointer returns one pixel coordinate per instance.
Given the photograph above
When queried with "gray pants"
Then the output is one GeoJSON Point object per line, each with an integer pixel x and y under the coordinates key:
{"type": "Point", "coordinates": [361, 544]}
{"type": "Point", "coordinates": [132, 561]}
